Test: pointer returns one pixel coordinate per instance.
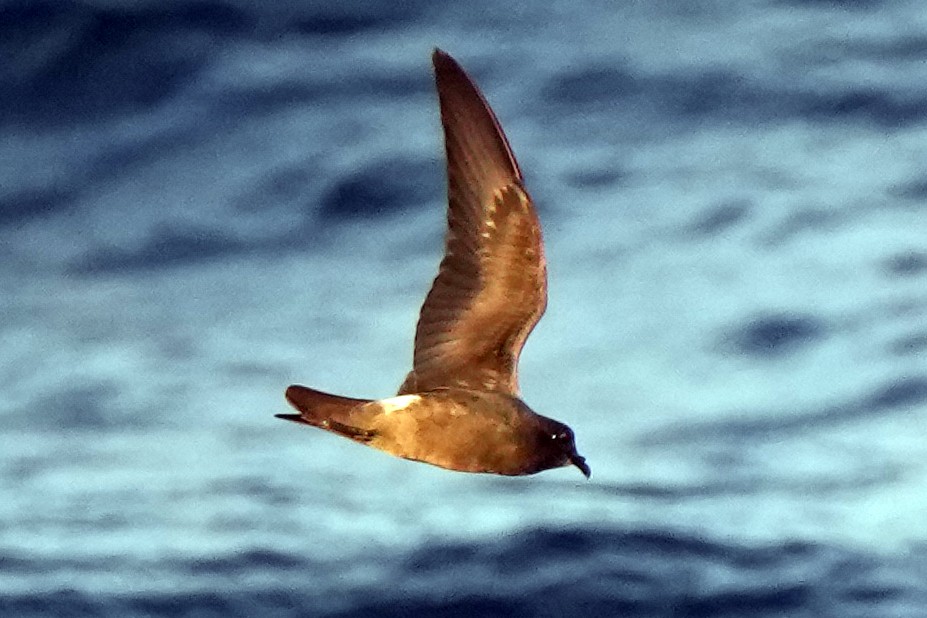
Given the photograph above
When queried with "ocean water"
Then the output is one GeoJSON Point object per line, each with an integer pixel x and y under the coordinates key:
{"type": "Point", "coordinates": [202, 202]}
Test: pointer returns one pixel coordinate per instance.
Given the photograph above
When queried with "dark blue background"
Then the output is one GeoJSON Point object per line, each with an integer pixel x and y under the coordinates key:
{"type": "Point", "coordinates": [203, 202]}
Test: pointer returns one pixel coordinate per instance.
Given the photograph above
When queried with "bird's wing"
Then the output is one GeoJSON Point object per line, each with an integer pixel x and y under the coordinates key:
{"type": "Point", "coordinates": [491, 287]}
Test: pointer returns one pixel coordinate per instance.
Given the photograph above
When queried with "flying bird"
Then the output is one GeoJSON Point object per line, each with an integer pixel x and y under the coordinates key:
{"type": "Point", "coordinates": [459, 407]}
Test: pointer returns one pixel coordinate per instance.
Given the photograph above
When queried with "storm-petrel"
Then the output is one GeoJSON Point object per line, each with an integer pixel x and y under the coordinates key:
{"type": "Point", "coordinates": [459, 407]}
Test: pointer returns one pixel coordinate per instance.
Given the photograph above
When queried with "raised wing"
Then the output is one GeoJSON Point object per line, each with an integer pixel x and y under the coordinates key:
{"type": "Point", "coordinates": [491, 287]}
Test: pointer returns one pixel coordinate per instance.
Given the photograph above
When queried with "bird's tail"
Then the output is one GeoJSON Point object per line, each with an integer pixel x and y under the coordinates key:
{"type": "Point", "coordinates": [330, 412]}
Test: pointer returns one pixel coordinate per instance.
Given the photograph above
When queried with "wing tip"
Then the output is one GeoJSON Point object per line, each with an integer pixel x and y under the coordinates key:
{"type": "Point", "coordinates": [439, 56]}
{"type": "Point", "coordinates": [459, 94]}
{"type": "Point", "coordinates": [447, 68]}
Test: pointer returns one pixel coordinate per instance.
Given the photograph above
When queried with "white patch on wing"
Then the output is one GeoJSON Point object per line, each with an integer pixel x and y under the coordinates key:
{"type": "Point", "coordinates": [395, 404]}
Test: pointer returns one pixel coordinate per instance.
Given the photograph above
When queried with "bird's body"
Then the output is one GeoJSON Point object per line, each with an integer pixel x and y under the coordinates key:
{"type": "Point", "coordinates": [454, 428]}
{"type": "Point", "coordinates": [459, 407]}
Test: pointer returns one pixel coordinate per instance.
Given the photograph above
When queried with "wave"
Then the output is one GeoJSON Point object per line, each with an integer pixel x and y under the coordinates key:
{"type": "Point", "coordinates": [571, 572]}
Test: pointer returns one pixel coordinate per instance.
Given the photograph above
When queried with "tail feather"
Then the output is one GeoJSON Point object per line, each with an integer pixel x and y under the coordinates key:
{"type": "Point", "coordinates": [296, 418]}
{"type": "Point", "coordinates": [331, 412]}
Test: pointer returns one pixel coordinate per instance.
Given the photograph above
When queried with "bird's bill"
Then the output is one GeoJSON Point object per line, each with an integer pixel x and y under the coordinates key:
{"type": "Point", "coordinates": [580, 462]}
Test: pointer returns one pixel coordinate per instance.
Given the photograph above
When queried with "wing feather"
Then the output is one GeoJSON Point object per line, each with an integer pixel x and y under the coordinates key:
{"type": "Point", "coordinates": [491, 287]}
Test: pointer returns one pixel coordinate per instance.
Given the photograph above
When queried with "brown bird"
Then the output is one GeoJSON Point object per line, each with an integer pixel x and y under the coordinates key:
{"type": "Point", "coordinates": [459, 407]}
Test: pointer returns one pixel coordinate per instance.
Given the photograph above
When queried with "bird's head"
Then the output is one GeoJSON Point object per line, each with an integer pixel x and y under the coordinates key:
{"type": "Point", "coordinates": [556, 446]}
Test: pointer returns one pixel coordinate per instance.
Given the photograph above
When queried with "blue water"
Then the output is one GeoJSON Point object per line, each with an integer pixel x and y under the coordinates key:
{"type": "Point", "coordinates": [203, 202]}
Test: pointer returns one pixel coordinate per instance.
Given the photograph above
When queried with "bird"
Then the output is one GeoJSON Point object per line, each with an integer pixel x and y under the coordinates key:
{"type": "Point", "coordinates": [459, 407]}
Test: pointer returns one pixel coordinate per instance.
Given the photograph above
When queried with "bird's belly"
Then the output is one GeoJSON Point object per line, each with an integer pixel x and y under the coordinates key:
{"type": "Point", "coordinates": [466, 431]}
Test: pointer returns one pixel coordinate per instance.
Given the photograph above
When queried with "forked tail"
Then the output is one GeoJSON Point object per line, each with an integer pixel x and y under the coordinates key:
{"type": "Point", "coordinates": [329, 412]}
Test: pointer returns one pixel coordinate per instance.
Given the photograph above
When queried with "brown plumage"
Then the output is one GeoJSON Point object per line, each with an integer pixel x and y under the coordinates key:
{"type": "Point", "coordinates": [459, 408]}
